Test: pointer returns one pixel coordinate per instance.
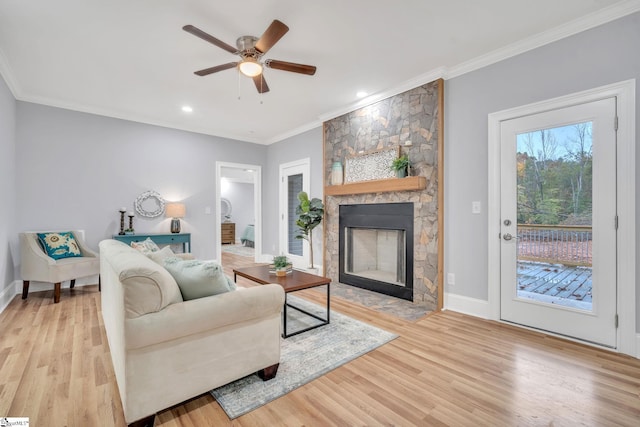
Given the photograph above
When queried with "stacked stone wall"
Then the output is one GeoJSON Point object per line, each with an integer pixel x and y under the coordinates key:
{"type": "Point", "coordinates": [410, 116]}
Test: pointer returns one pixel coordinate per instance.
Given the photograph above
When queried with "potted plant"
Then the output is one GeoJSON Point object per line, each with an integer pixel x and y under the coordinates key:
{"type": "Point", "coordinates": [310, 213]}
{"type": "Point", "coordinates": [401, 166]}
{"type": "Point", "coordinates": [280, 265]}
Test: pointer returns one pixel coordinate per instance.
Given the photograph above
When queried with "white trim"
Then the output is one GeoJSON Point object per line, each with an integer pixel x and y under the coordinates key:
{"type": "Point", "coordinates": [412, 83]}
{"type": "Point", "coordinates": [570, 28]}
{"type": "Point", "coordinates": [8, 293]}
{"type": "Point", "coordinates": [626, 246]}
{"type": "Point", "coordinates": [44, 286]}
{"type": "Point", "coordinates": [584, 23]}
{"type": "Point", "coordinates": [466, 305]}
{"type": "Point", "coordinates": [637, 356]}
{"type": "Point", "coordinates": [257, 206]}
{"type": "Point", "coordinates": [301, 166]}
{"type": "Point", "coordinates": [15, 288]}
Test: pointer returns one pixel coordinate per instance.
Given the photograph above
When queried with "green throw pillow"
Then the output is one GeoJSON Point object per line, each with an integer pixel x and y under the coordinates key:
{"type": "Point", "coordinates": [59, 245]}
{"type": "Point", "coordinates": [196, 278]}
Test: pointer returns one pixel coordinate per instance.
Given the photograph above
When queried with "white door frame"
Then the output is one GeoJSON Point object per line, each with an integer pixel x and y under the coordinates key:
{"type": "Point", "coordinates": [626, 246]}
{"type": "Point", "coordinates": [257, 203]}
{"type": "Point", "coordinates": [304, 166]}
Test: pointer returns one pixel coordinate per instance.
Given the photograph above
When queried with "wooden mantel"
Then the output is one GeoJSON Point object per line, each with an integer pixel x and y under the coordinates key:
{"type": "Point", "coordinates": [409, 183]}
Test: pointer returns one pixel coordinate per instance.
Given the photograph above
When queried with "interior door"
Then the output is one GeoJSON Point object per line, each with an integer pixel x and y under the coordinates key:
{"type": "Point", "coordinates": [294, 178]}
{"type": "Point", "coordinates": [558, 221]}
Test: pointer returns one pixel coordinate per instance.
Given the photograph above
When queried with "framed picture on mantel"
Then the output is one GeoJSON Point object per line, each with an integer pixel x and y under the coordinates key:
{"type": "Point", "coordinates": [371, 165]}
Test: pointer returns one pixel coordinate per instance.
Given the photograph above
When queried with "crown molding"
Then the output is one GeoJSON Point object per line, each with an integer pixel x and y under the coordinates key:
{"type": "Point", "coordinates": [570, 28]}
{"type": "Point", "coordinates": [576, 26]}
{"type": "Point", "coordinates": [6, 74]}
{"type": "Point", "coordinates": [297, 131]}
{"type": "Point", "coordinates": [412, 83]}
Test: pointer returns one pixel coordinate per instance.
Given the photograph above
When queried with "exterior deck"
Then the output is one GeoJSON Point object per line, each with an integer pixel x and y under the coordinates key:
{"type": "Point", "coordinates": [555, 283]}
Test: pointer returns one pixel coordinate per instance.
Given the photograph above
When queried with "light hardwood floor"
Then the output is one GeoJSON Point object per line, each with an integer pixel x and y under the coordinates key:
{"type": "Point", "coordinates": [445, 369]}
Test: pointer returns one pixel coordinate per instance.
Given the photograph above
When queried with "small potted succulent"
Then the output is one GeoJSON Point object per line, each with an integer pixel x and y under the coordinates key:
{"type": "Point", "coordinates": [401, 166]}
{"type": "Point", "coordinates": [281, 264]}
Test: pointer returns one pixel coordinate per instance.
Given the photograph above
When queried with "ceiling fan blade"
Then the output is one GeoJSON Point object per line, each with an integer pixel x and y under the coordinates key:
{"type": "Point", "coordinates": [290, 66]}
{"type": "Point", "coordinates": [209, 38]}
{"type": "Point", "coordinates": [261, 83]}
{"type": "Point", "coordinates": [271, 36]}
{"type": "Point", "coordinates": [215, 69]}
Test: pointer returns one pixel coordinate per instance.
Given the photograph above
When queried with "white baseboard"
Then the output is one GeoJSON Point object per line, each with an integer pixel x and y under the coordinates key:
{"type": "Point", "coordinates": [43, 286]}
{"type": "Point", "coordinates": [466, 305]}
{"type": "Point", "coordinates": [8, 293]}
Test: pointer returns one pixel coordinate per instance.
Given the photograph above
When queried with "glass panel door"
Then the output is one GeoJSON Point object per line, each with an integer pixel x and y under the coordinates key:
{"type": "Point", "coordinates": [558, 213]}
{"type": "Point", "coordinates": [554, 169]}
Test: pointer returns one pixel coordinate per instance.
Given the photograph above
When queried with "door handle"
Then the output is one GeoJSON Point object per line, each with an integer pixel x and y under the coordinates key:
{"type": "Point", "coordinates": [507, 236]}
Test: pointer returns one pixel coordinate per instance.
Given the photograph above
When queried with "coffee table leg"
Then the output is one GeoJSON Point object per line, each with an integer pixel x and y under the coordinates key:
{"type": "Point", "coordinates": [328, 302]}
{"type": "Point", "coordinates": [325, 321]}
{"type": "Point", "coordinates": [284, 321]}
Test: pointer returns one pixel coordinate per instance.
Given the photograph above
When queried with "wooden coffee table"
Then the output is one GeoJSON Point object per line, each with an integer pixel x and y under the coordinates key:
{"type": "Point", "coordinates": [294, 281]}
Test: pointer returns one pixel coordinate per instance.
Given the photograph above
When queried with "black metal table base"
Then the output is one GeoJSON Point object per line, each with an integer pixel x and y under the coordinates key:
{"type": "Point", "coordinates": [324, 321]}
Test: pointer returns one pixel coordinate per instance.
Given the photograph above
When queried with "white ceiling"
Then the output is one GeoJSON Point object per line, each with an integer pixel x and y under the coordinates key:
{"type": "Point", "coordinates": [131, 59]}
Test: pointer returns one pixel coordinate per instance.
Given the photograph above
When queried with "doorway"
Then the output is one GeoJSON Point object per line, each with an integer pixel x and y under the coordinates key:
{"type": "Point", "coordinates": [294, 178]}
{"type": "Point", "coordinates": [560, 183]}
{"type": "Point", "coordinates": [558, 210]}
{"type": "Point", "coordinates": [238, 213]}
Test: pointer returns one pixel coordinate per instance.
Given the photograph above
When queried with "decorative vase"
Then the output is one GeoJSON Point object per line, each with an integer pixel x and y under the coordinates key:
{"type": "Point", "coordinates": [401, 173]}
{"type": "Point", "coordinates": [281, 272]}
{"type": "Point", "coordinates": [337, 175]}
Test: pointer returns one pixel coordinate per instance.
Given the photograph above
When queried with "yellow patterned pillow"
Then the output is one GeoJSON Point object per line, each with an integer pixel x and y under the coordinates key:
{"type": "Point", "coordinates": [59, 245]}
{"type": "Point", "coordinates": [145, 246]}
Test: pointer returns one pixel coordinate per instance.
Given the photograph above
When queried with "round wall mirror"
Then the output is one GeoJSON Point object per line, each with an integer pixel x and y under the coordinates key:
{"type": "Point", "coordinates": [225, 209]}
{"type": "Point", "coordinates": [149, 204]}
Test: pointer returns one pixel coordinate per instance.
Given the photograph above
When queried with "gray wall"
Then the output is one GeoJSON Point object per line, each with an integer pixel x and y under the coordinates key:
{"type": "Point", "coordinates": [8, 237]}
{"type": "Point", "coordinates": [75, 170]}
{"type": "Point", "coordinates": [240, 196]}
{"type": "Point", "coordinates": [597, 57]}
{"type": "Point", "coordinates": [307, 144]}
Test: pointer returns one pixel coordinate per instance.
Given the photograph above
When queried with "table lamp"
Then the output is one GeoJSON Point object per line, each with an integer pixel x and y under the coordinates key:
{"type": "Point", "coordinates": [175, 211]}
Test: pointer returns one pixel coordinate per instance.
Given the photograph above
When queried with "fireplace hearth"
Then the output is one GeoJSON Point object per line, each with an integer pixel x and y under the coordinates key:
{"type": "Point", "coordinates": [376, 247]}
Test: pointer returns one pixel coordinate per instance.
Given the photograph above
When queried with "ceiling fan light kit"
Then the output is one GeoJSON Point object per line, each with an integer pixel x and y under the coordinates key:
{"type": "Point", "coordinates": [251, 50]}
{"type": "Point", "coordinates": [250, 67]}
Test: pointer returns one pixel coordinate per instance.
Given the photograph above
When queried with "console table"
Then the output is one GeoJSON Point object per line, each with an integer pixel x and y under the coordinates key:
{"type": "Point", "coordinates": [159, 239]}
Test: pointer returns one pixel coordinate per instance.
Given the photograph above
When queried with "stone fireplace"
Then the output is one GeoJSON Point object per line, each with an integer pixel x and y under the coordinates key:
{"type": "Point", "coordinates": [412, 123]}
{"type": "Point", "coordinates": [376, 247]}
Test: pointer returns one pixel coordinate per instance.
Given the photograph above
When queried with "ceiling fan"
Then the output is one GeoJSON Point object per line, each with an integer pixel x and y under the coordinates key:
{"type": "Point", "coordinates": [251, 50]}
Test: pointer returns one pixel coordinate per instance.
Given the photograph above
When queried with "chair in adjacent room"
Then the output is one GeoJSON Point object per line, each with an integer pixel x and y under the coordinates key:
{"type": "Point", "coordinates": [55, 257]}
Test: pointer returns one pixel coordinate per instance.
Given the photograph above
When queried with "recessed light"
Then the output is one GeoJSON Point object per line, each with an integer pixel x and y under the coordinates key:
{"type": "Point", "coordinates": [187, 109]}
{"type": "Point", "coordinates": [361, 94]}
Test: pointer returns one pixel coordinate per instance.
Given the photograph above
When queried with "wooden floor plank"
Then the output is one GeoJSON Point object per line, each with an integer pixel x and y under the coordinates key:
{"type": "Point", "coordinates": [444, 369]}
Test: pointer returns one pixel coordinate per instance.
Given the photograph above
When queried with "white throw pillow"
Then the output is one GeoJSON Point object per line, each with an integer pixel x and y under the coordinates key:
{"type": "Point", "coordinates": [161, 255]}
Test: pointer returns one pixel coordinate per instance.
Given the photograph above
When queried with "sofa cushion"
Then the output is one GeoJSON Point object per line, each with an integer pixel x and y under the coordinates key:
{"type": "Point", "coordinates": [59, 245]}
{"type": "Point", "coordinates": [196, 278]}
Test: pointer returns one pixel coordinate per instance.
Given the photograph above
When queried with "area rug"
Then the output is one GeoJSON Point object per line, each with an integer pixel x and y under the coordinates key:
{"type": "Point", "coordinates": [303, 357]}
{"type": "Point", "coordinates": [239, 250]}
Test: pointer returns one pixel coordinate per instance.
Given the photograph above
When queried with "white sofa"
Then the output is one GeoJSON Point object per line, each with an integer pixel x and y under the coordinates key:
{"type": "Point", "coordinates": [166, 350]}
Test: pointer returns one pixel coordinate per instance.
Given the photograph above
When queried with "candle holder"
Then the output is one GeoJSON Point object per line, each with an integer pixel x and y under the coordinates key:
{"type": "Point", "coordinates": [122, 211]}
{"type": "Point", "coordinates": [130, 229]}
